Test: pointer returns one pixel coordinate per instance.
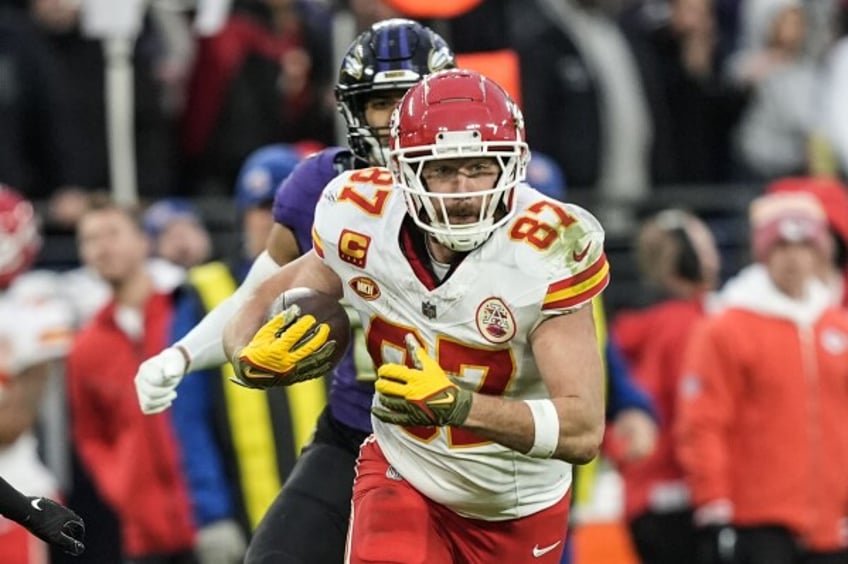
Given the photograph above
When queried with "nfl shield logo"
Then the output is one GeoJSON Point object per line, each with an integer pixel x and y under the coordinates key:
{"type": "Point", "coordinates": [429, 310]}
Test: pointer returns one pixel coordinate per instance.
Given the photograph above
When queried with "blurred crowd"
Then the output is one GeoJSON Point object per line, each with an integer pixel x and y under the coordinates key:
{"type": "Point", "coordinates": [651, 92]}
{"type": "Point", "coordinates": [746, 373]}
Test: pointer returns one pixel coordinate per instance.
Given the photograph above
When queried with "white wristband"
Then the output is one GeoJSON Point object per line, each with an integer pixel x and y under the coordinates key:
{"type": "Point", "coordinates": [202, 344]}
{"type": "Point", "coordinates": [546, 428]}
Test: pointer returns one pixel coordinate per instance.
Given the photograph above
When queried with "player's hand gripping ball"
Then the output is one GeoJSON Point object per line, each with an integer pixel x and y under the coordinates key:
{"type": "Point", "coordinates": [422, 395]}
{"type": "Point", "coordinates": [306, 337]}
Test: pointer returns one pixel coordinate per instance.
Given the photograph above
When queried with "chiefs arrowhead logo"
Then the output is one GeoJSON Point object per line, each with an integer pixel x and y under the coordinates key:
{"type": "Point", "coordinates": [495, 321]}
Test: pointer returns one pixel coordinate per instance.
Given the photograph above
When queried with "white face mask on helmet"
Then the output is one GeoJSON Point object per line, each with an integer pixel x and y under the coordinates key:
{"type": "Point", "coordinates": [458, 114]}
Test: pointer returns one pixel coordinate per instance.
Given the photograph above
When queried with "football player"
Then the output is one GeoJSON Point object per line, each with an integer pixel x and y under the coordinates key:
{"type": "Point", "coordinates": [474, 292]}
{"type": "Point", "coordinates": [35, 330]}
{"type": "Point", "coordinates": [380, 65]}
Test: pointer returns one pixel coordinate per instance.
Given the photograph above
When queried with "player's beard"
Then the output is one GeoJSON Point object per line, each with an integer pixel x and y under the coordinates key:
{"type": "Point", "coordinates": [461, 211]}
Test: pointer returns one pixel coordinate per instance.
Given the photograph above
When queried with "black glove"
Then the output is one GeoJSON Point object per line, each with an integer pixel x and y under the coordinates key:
{"type": "Point", "coordinates": [55, 524]}
{"type": "Point", "coordinates": [716, 544]}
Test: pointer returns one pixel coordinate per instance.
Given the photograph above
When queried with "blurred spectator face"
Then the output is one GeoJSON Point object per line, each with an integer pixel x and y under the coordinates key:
{"type": "Point", "coordinates": [791, 265]}
{"type": "Point", "coordinates": [257, 224]}
{"type": "Point", "coordinates": [789, 30]}
{"type": "Point", "coordinates": [112, 244]}
{"type": "Point", "coordinates": [285, 15]}
{"type": "Point", "coordinates": [57, 16]}
{"type": "Point", "coordinates": [281, 5]}
{"type": "Point", "coordinates": [177, 233]}
{"type": "Point", "coordinates": [184, 242]}
{"type": "Point", "coordinates": [692, 17]}
{"type": "Point", "coordinates": [789, 235]}
{"type": "Point", "coordinates": [832, 194]}
{"type": "Point", "coordinates": [66, 207]}
{"type": "Point", "coordinates": [369, 12]}
{"type": "Point", "coordinates": [259, 178]}
{"type": "Point", "coordinates": [296, 65]}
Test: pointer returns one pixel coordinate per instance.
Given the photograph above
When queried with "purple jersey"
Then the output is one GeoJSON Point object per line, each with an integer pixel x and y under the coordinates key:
{"type": "Point", "coordinates": [294, 207]}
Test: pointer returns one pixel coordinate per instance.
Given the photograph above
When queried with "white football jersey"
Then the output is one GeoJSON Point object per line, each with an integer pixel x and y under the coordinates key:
{"type": "Point", "coordinates": [34, 328]}
{"type": "Point", "coordinates": [548, 259]}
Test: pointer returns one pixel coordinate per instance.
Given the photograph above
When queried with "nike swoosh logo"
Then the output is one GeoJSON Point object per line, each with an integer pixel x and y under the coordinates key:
{"type": "Point", "coordinates": [582, 254]}
{"type": "Point", "coordinates": [539, 552]}
{"type": "Point", "coordinates": [448, 399]}
{"type": "Point", "coordinates": [35, 503]}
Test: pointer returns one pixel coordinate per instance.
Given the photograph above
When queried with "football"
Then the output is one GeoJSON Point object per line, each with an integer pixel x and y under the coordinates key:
{"type": "Point", "coordinates": [325, 309]}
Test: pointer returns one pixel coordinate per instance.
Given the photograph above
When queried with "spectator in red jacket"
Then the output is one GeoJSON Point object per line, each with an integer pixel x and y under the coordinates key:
{"type": "Point", "coordinates": [762, 410]}
{"type": "Point", "coordinates": [678, 256]}
{"type": "Point", "coordinates": [132, 458]}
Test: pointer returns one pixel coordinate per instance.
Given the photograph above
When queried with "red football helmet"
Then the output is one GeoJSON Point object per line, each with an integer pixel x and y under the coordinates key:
{"type": "Point", "coordinates": [19, 237]}
{"type": "Point", "coordinates": [458, 114]}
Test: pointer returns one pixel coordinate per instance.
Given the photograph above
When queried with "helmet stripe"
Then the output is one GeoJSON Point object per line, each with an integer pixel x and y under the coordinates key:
{"type": "Point", "coordinates": [404, 48]}
{"type": "Point", "coordinates": [382, 51]}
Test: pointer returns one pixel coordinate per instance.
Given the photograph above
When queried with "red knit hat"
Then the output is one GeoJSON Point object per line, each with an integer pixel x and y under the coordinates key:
{"type": "Point", "coordinates": [831, 194]}
{"type": "Point", "coordinates": [794, 217]}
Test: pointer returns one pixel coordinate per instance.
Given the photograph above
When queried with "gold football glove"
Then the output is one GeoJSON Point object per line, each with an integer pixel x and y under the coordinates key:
{"type": "Point", "coordinates": [423, 395]}
{"type": "Point", "coordinates": [289, 348]}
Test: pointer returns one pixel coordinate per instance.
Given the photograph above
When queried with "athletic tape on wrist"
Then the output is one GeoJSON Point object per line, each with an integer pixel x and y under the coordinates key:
{"type": "Point", "coordinates": [546, 425]}
{"type": "Point", "coordinates": [185, 354]}
{"type": "Point", "coordinates": [203, 342]}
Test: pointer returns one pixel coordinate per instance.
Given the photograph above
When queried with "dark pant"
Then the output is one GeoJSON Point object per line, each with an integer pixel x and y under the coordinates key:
{"type": "Point", "coordinates": [776, 545]}
{"type": "Point", "coordinates": [765, 545]}
{"type": "Point", "coordinates": [175, 558]}
{"type": "Point", "coordinates": [664, 538]}
{"type": "Point", "coordinates": [307, 523]}
{"type": "Point", "coordinates": [840, 557]}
